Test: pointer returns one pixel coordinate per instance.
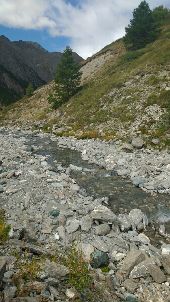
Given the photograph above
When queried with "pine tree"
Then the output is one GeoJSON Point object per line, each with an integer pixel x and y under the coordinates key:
{"type": "Point", "coordinates": [29, 90]}
{"type": "Point", "coordinates": [142, 29]}
{"type": "Point", "coordinates": [67, 79]}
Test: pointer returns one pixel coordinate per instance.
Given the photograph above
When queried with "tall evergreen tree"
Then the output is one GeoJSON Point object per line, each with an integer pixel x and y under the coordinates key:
{"type": "Point", "coordinates": [29, 90]}
{"type": "Point", "coordinates": [142, 29]}
{"type": "Point", "coordinates": [67, 79]}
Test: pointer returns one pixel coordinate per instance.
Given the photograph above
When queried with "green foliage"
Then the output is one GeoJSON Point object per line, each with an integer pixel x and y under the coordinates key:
{"type": "Point", "coordinates": [79, 276]}
{"type": "Point", "coordinates": [4, 228]}
{"type": "Point", "coordinates": [132, 55]}
{"type": "Point", "coordinates": [67, 79]}
{"type": "Point", "coordinates": [142, 29]}
{"type": "Point", "coordinates": [29, 90]}
{"type": "Point", "coordinates": [161, 15]}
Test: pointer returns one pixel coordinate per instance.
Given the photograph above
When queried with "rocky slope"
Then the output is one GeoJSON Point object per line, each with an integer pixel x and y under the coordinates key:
{"type": "Point", "coordinates": [48, 211]}
{"type": "Point", "coordinates": [125, 94]}
{"type": "Point", "coordinates": [22, 63]}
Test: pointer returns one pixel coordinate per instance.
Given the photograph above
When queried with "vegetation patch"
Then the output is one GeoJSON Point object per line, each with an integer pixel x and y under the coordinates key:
{"type": "Point", "coordinates": [4, 228]}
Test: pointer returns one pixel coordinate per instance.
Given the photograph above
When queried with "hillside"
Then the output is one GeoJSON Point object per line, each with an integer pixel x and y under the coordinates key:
{"type": "Point", "coordinates": [124, 94]}
{"type": "Point", "coordinates": [22, 63]}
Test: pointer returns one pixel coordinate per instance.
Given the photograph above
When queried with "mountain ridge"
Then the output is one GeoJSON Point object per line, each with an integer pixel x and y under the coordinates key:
{"type": "Point", "coordinates": [25, 62]}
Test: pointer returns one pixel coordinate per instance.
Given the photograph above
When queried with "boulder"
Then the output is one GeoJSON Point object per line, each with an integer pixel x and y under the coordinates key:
{"type": "Point", "coordinates": [166, 263]}
{"type": "Point", "coordinates": [72, 225]}
{"type": "Point", "coordinates": [102, 229]}
{"type": "Point", "coordinates": [99, 259]}
{"type": "Point", "coordinates": [157, 275]}
{"type": "Point", "coordinates": [86, 223]}
{"type": "Point", "coordinates": [124, 222]}
{"type": "Point", "coordinates": [54, 270]}
{"type": "Point", "coordinates": [136, 216]}
{"type": "Point", "coordinates": [137, 143]}
{"type": "Point", "coordinates": [133, 258]}
{"type": "Point", "coordinates": [103, 213]}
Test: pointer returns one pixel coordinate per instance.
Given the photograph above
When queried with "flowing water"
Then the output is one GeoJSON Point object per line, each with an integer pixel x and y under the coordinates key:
{"type": "Point", "coordinates": [98, 182]}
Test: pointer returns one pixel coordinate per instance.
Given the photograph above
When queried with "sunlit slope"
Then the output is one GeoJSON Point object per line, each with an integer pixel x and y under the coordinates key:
{"type": "Point", "coordinates": [128, 94]}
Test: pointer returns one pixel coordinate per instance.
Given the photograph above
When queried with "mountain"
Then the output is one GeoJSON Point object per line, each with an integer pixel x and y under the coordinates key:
{"type": "Point", "coordinates": [22, 63]}
{"type": "Point", "coordinates": [125, 93]}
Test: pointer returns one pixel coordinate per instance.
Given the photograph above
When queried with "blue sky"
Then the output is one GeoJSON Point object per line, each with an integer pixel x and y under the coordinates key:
{"type": "Point", "coordinates": [85, 25]}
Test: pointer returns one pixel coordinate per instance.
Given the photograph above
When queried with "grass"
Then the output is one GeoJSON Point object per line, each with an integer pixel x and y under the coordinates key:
{"type": "Point", "coordinates": [4, 228]}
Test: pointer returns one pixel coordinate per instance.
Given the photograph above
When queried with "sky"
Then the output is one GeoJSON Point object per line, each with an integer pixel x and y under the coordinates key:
{"type": "Point", "coordinates": [84, 25]}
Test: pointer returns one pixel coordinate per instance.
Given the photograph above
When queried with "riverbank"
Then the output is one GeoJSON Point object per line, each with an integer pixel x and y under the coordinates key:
{"type": "Point", "coordinates": [48, 211]}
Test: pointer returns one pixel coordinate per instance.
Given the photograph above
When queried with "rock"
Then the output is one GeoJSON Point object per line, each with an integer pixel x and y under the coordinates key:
{"type": "Point", "coordinates": [54, 292]}
{"type": "Point", "coordinates": [130, 285]}
{"type": "Point", "coordinates": [61, 232]}
{"type": "Point", "coordinates": [131, 298]}
{"type": "Point", "coordinates": [72, 225]}
{"type": "Point", "coordinates": [103, 213]}
{"type": "Point", "coordinates": [124, 221]}
{"type": "Point", "coordinates": [132, 259]}
{"type": "Point", "coordinates": [100, 245]}
{"type": "Point", "coordinates": [165, 249]}
{"type": "Point", "coordinates": [155, 141]}
{"type": "Point", "coordinates": [136, 217]}
{"type": "Point", "coordinates": [99, 259]}
{"type": "Point", "coordinates": [156, 274]}
{"type": "Point", "coordinates": [138, 181]}
{"type": "Point", "coordinates": [166, 263]}
{"type": "Point", "coordinates": [116, 256]}
{"type": "Point", "coordinates": [71, 293]}
{"type": "Point", "coordinates": [142, 269]}
{"type": "Point", "coordinates": [9, 293]}
{"type": "Point", "coordinates": [127, 147]}
{"type": "Point", "coordinates": [137, 143]}
{"type": "Point", "coordinates": [1, 189]}
{"type": "Point", "coordinates": [54, 270]}
{"type": "Point", "coordinates": [143, 238]}
{"type": "Point", "coordinates": [102, 229]}
{"type": "Point", "coordinates": [87, 250]}
{"type": "Point", "coordinates": [3, 263]}
{"type": "Point", "coordinates": [54, 213]}
{"type": "Point", "coordinates": [86, 223]}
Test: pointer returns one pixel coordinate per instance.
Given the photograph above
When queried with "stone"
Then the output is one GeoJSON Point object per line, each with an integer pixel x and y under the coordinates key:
{"type": "Point", "coordinates": [130, 285]}
{"type": "Point", "coordinates": [71, 293]}
{"type": "Point", "coordinates": [54, 213]}
{"type": "Point", "coordinates": [54, 292]}
{"type": "Point", "coordinates": [124, 221]}
{"type": "Point", "coordinates": [116, 256]}
{"type": "Point", "coordinates": [9, 293]}
{"type": "Point", "coordinates": [143, 238]}
{"type": "Point", "coordinates": [72, 225]}
{"type": "Point", "coordinates": [137, 143]}
{"type": "Point", "coordinates": [103, 213]}
{"type": "Point", "coordinates": [165, 249]}
{"type": "Point", "coordinates": [54, 270]}
{"type": "Point", "coordinates": [127, 147]}
{"type": "Point", "coordinates": [87, 250]}
{"type": "Point", "coordinates": [100, 245]}
{"type": "Point", "coordinates": [99, 259]}
{"type": "Point", "coordinates": [138, 181]}
{"type": "Point", "coordinates": [133, 258]}
{"type": "Point", "coordinates": [166, 263]}
{"type": "Point", "coordinates": [155, 141]}
{"type": "Point", "coordinates": [136, 216]}
{"type": "Point", "coordinates": [102, 229]}
{"type": "Point", "coordinates": [3, 263]}
{"type": "Point", "coordinates": [142, 269]}
{"type": "Point", "coordinates": [86, 223]}
{"type": "Point", "coordinates": [157, 275]}
{"type": "Point", "coordinates": [131, 298]}
{"type": "Point", "coordinates": [61, 232]}
{"type": "Point", "coordinates": [1, 189]}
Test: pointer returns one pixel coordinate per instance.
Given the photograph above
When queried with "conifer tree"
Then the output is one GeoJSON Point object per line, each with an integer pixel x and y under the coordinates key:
{"type": "Point", "coordinates": [67, 79]}
{"type": "Point", "coordinates": [142, 29]}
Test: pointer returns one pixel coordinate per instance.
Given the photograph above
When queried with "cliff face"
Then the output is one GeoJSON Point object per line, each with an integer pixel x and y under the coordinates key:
{"type": "Point", "coordinates": [22, 63]}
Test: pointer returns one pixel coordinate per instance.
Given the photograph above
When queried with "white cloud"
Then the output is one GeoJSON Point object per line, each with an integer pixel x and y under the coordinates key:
{"type": "Point", "coordinates": [90, 25]}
